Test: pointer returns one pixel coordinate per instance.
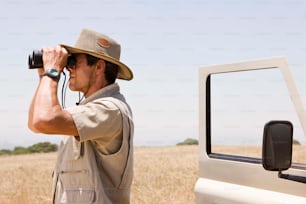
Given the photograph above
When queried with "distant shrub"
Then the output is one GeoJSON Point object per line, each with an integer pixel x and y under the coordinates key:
{"type": "Point", "coordinates": [20, 150]}
{"type": "Point", "coordinates": [189, 141]}
{"type": "Point", "coordinates": [296, 142]}
{"type": "Point", "coordinates": [5, 152]}
{"type": "Point", "coordinates": [42, 147]}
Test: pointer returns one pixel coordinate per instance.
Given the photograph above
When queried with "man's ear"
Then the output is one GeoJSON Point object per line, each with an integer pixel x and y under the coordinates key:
{"type": "Point", "coordinates": [100, 68]}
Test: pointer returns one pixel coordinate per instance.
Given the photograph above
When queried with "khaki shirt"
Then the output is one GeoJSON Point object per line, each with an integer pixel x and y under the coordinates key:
{"type": "Point", "coordinates": [97, 165]}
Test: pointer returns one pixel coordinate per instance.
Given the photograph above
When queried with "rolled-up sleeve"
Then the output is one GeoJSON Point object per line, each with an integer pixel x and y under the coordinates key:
{"type": "Point", "coordinates": [97, 120]}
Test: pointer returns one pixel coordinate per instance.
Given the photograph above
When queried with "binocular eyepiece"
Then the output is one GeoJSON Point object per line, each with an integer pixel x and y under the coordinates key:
{"type": "Point", "coordinates": [36, 60]}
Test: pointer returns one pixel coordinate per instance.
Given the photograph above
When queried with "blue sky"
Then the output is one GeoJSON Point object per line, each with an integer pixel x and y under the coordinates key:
{"type": "Point", "coordinates": [164, 43]}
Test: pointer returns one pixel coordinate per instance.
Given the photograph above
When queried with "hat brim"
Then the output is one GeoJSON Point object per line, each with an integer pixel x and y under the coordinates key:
{"type": "Point", "coordinates": [124, 71]}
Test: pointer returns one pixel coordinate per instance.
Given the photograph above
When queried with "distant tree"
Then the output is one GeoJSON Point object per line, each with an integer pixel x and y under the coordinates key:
{"type": "Point", "coordinates": [42, 147]}
{"type": "Point", "coordinates": [189, 141]}
{"type": "Point", "coordinates": [20, 150]}
{"type": "Point", "coordinates": [5, 152]}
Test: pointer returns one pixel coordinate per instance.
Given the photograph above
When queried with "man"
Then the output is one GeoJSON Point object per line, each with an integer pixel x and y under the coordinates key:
{"type": "Point", "coordinates": [95, 159]}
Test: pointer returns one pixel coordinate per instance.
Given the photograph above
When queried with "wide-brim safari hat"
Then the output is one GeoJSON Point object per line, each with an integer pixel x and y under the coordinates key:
{"type": "Point", "coordinates": [100, 46]}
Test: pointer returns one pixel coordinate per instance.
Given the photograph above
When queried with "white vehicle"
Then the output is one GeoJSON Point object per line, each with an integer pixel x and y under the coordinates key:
{"type": "Point", "coordinates": [249, 115]}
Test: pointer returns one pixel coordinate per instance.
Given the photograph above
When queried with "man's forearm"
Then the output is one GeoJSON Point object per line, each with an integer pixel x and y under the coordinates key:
{"type": "Point", "coordinates": [44, 105]}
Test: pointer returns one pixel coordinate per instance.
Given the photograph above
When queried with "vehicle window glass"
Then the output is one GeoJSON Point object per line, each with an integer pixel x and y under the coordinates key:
{"type": "Point", "coordinates": [241, 104]}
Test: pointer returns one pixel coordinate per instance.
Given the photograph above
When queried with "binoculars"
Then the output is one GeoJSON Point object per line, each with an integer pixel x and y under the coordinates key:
{"type": "Point", "coordinates": [36, 60]}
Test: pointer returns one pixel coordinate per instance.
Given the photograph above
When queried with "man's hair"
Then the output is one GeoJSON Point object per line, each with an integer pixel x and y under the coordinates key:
{"type": "Point", "coordinates": [111, 69]}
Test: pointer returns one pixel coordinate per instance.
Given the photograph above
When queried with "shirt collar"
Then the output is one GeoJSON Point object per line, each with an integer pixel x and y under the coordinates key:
{"type": "Point", "coordinates": [107, 91]}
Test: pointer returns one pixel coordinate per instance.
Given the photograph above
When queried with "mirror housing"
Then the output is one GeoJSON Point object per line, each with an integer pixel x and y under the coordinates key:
{"type": "Point", "coordinates": [277, 145]}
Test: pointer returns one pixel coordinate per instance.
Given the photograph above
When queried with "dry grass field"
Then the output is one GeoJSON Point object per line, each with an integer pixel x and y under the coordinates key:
{"type": "Point", "coordinates": [162, 174]}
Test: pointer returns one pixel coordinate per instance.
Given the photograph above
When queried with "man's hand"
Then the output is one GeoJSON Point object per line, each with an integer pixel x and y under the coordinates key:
{"type": "Point", "coordinates": [55, 58]}
{"type": "Point", "coordinates": [40, 71]}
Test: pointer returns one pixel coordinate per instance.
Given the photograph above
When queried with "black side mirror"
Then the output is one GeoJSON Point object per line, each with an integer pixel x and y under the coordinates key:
{"type": "Point", "coordinates": [277, 145]}
{"type": "Point", "coordinates": [277, 149]}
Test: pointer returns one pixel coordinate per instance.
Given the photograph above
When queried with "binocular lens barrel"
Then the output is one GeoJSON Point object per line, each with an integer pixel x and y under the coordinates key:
{"type": "Point", "coordinates": [36, 60]}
